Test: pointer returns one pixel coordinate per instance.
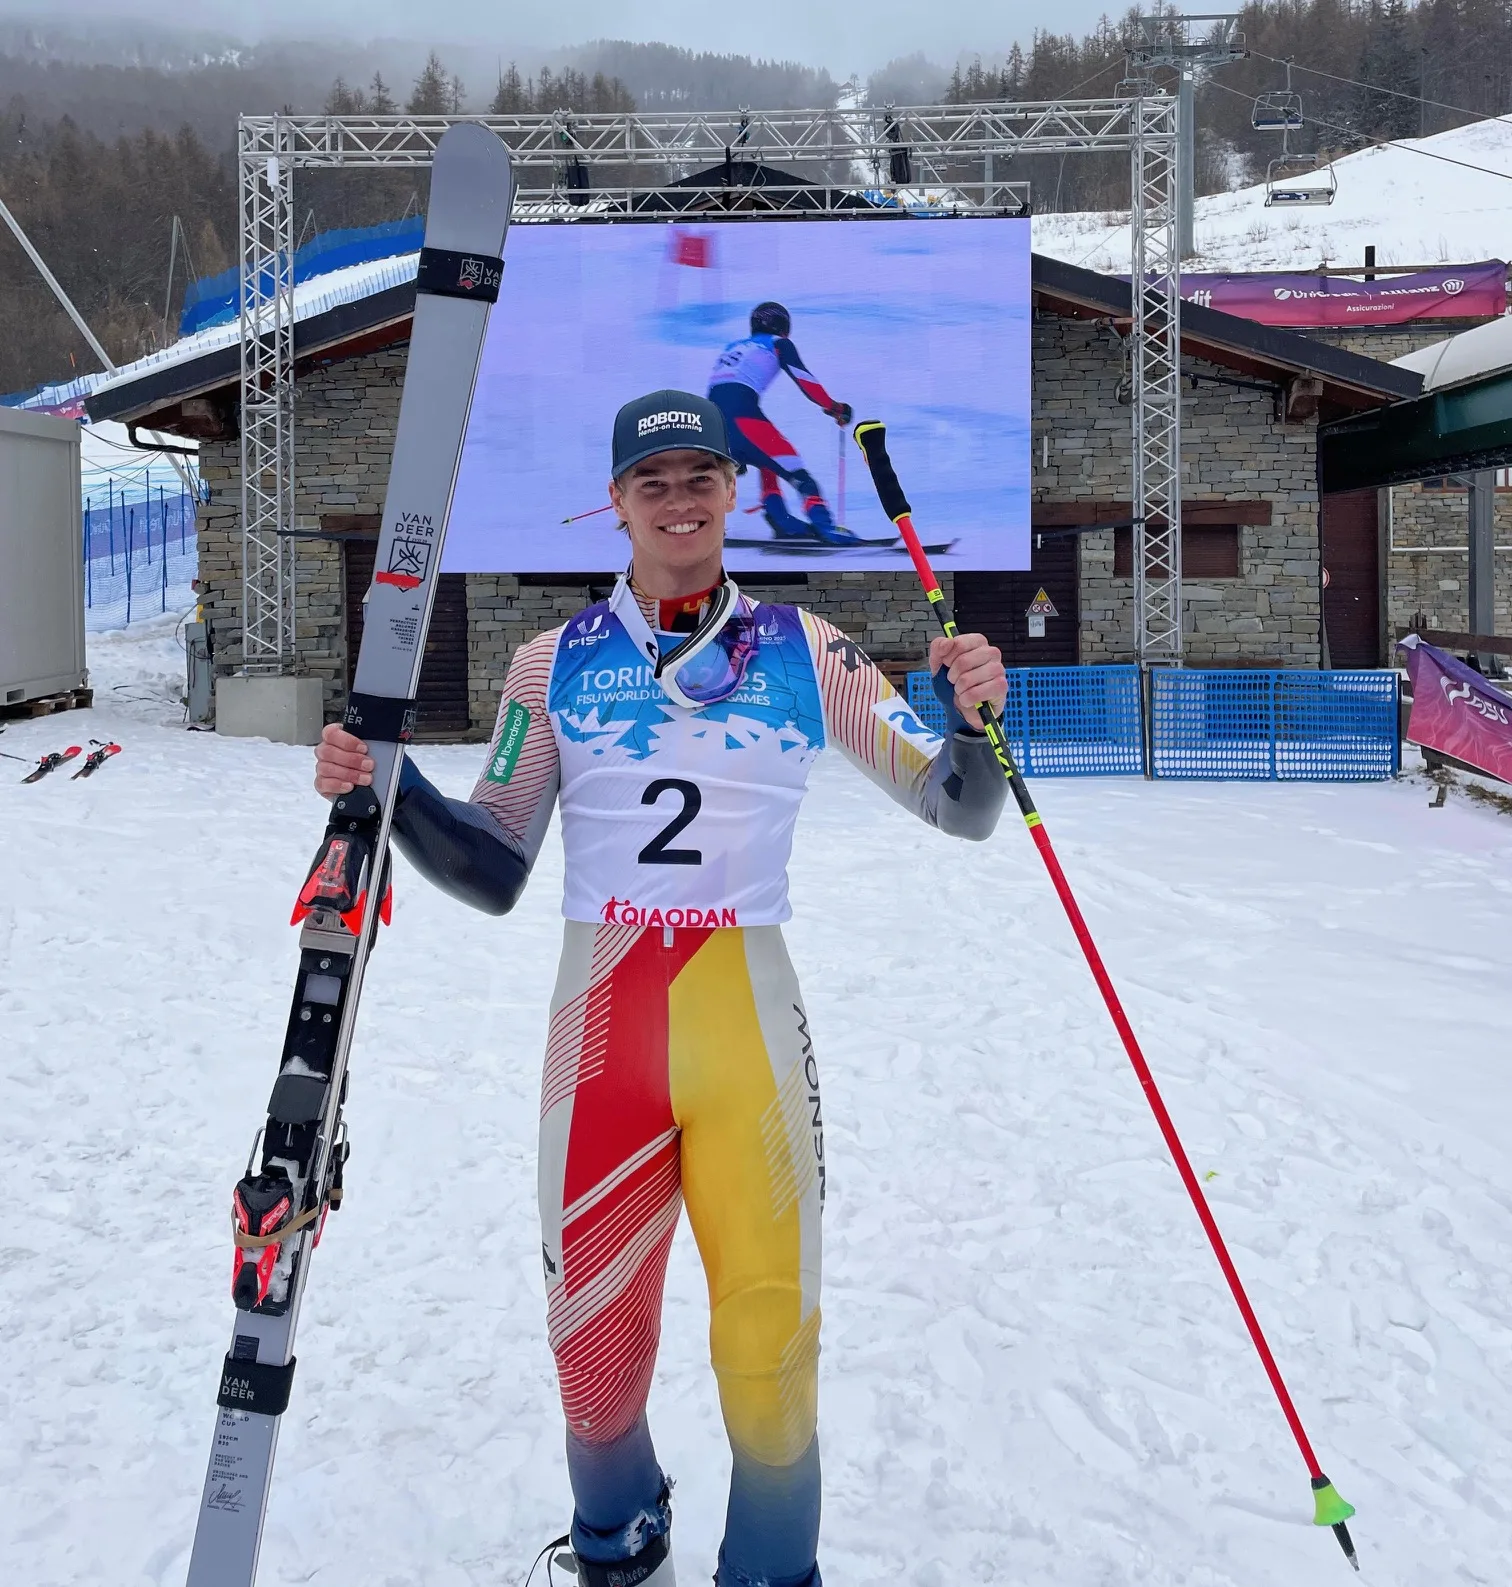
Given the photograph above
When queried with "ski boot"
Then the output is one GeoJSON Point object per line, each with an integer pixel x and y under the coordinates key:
{"type": "Point", "coordinates": [647, 1564]}
{"type": "Point", "coordinates": [819, 525]}
{"type": "Point", "coordinates": [822, 526]}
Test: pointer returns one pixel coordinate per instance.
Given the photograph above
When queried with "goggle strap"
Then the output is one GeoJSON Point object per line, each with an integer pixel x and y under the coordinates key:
{"type": "Point", "coordinates": [722, 603]}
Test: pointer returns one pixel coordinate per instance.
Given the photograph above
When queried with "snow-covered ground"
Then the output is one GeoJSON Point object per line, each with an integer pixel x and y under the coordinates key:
{"type": "Point", "coordinates": [1032, 1373]}
{"type": "Point", "coordinates": [1416, 207]}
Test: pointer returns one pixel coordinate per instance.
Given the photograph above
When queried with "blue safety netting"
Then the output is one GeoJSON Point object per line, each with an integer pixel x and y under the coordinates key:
{"type": "Point", "coordinates": [213, 300]}
{"type": "Point", "coordinates": [1061, 721]}
{"type": "Point", "coordinates": [1289, 726]}
{"type": "Point", "coordinates": [1292, 726]}
{"type": "Point", "coordinates": [140, 556]}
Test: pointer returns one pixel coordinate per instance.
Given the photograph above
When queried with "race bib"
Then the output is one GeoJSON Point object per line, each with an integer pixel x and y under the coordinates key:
{"type": "Point", "coordinates": [674, 817]}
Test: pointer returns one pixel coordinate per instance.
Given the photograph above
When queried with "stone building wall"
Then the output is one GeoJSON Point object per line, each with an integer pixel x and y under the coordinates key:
{"type": "Point", "coordinates": [1428, 561]}
{"type": "Point", "coordinates": [1386, 342]}
{"type": "Point", "coordinates": [1233, 448]}
{"type": "Point", "coordinates": [344, 427]}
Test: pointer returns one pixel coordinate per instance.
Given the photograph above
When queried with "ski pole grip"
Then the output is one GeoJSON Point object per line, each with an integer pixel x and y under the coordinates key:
{"type": "Point", "coordinates": [871, 437]}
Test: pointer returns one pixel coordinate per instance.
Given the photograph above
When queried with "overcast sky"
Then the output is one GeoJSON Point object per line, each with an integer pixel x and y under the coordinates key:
{"type": "Point", "coordinates": [855, 36]}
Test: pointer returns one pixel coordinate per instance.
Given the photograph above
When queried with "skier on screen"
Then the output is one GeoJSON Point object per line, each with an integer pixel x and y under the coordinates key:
{"type": "Point", "coordinates": [741, 373]}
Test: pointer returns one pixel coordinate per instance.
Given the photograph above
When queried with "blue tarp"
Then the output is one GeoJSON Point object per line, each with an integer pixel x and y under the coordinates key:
{"type": "Point", "coordinates": [212, 300]}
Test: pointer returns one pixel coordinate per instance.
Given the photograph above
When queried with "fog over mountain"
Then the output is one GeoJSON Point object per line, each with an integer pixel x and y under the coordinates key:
{"type": "Point", "coordinates": [840, 38]}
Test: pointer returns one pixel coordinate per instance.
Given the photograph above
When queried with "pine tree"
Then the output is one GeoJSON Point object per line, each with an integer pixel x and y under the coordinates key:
{"type": "Point", "coordinates": [344, 101]}
{"type": "Point", "coordinates": [1397, 65]}
{"type": "Point", "coordinates": [432, 93]}
{"type": "Point", "coordinates": [510, 97]}
{"type": "Point", "coordinates": [1013, 73]}
{"type": "Point", "coordinates": [1387, 61]}
{"type": "Point", "coordinates": [382, 101]}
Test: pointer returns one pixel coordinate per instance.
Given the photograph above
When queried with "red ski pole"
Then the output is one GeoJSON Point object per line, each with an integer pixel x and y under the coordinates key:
{"type": "Point", "coordinates": [591, 513]}
{"type": "Point", "coordinates": [1329, 1509]}
{"type": "Point", "coordinates": [840, 483]}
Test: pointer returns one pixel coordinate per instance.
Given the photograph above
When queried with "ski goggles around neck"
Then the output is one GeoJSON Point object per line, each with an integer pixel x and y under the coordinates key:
{"type": "Point", "coordinates": [710, 664]}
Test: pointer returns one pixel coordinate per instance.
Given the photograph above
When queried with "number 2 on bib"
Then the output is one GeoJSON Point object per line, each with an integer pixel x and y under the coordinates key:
{"type": "Point", "coordinates": [656, 851]}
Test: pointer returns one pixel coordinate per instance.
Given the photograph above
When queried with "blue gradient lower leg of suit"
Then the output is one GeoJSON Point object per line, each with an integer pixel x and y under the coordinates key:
{"type": "Point", "coordinates": [771, 1525]}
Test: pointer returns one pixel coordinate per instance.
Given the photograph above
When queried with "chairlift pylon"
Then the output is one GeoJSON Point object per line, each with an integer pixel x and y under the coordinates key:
{"type": "Point", "coordinates": [1277, 111]}
{"type": "Point", "coordinates": [1287, 182]}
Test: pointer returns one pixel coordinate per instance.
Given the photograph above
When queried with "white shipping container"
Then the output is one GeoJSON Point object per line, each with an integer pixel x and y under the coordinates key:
{"type": "Point", "coordinates": [41, 557]}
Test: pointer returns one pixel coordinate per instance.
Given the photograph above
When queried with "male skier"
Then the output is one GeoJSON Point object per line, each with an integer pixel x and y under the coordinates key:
{"type": "Point", "coordinates": [741, 373]}
{"type": "Point", "coordinates": [676, 723]}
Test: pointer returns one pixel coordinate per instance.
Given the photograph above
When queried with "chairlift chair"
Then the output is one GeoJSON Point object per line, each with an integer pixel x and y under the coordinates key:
{"type": "Point", "coordinates": [1277, 111]}
{"type": "Point", "coordinates": [1287, 182]}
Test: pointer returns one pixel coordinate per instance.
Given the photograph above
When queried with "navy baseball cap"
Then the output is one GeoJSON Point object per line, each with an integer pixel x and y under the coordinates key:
{"type": "Point", "coordinates": [667, 421]}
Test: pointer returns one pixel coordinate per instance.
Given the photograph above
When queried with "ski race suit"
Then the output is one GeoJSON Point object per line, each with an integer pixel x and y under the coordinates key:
{"type": "Point", "coordinates": [741, 373]}
{"type": "Point", "coordinates": [679, 1068]}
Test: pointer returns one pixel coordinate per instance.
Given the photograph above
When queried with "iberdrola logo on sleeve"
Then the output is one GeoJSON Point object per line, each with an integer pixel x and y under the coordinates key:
{"type": "Point", "coordinates": [512, 732]}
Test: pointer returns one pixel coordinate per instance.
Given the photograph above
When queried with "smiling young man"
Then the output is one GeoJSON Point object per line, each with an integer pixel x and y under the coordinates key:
{"type": "Point", "coordinates": [676, 723]}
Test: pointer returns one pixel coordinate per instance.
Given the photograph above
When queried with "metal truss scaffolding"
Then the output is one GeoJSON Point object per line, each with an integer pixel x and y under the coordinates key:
{"type": "Point", "coordinates": [1155, 347]}
{"type": "Point", "coordinates": [587, 168]}
{"type": "Point", "coordinates": [267, 404]}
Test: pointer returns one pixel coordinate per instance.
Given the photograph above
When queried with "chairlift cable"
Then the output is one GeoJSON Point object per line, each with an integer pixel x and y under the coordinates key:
{"type": "Point", "coordinates": [1375, 88]}
{"type": "Point", "coordinates": [1387, 143]}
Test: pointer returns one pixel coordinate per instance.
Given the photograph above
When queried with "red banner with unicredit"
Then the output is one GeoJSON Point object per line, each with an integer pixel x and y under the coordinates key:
{"type": "Point", "coordinates": [1474, 291]}
{"type": "Point", "coordinates": [1455, 710]}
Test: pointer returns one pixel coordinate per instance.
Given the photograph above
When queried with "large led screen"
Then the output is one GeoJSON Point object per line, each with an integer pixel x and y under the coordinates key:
{"type": "Point", "coordinates": [923, 324]}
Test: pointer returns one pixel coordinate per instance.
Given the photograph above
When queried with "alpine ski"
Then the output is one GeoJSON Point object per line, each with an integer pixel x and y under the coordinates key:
{"type": "Point", "coordinates": [813, 548]}
{"type": "Point", "coordinates": [294, 1176]}
{"type": "Point", "coordinates": [51, 763]}
{"type": "Point", "coordinates": [95, 759]}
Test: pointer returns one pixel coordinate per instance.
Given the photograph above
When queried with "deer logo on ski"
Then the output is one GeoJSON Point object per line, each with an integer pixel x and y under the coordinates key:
{"type": "Point", "coordinates": [409, 552]}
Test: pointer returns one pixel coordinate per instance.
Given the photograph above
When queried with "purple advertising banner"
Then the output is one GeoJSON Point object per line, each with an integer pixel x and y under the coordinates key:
{"type": "Point", "coordinates": [1455, 711]}
{"type": "Point", "coordinates": [1476, 291]}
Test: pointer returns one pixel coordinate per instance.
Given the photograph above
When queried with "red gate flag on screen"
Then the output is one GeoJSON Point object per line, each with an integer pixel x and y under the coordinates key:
{"type": "Point", "coordinates": [1456, 711]}
{"type": "Point", "coordinates": [1473, 291]}
{"type": "Point", "coordinates": [694, 248]}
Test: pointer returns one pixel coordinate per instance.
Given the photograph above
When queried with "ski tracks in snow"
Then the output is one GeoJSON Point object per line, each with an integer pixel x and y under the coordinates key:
{"type": "Point", "coordinates": [1032, 1371]}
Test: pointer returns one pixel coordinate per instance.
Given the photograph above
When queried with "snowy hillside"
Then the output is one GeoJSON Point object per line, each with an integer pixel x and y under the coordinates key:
{"type": "Point", "coordinates": [1032, 1373]}
{"type": "Point", "coordinates": [1415, 209]}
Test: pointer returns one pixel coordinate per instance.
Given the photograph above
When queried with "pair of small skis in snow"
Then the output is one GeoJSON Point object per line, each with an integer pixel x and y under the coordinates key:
{"type": "Point", "coordinates": [58, 757]}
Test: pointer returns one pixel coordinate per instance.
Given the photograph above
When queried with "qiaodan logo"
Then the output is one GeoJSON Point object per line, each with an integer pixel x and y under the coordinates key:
{"type": "Point", "coordinates": [511, 741]}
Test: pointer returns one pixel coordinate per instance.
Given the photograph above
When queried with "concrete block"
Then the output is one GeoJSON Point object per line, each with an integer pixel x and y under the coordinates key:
{"type": "Point", "coordinates": [285, 710]}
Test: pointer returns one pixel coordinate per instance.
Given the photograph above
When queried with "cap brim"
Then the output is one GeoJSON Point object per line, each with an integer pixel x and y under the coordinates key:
{"type": "Point", "coordinates": [655, 449]}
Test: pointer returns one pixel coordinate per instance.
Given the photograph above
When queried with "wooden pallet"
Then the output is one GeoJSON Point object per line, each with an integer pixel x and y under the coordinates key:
{"type": "Point", "coordinates": [69, 700]}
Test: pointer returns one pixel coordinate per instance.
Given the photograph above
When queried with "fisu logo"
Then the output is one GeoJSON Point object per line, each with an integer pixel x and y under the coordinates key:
{"type": "Point", "coordinates": [589, 633]}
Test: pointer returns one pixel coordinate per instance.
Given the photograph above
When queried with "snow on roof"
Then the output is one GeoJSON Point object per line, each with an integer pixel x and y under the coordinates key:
{"type": "Point", "coordinates": [1413, 208]}
{"type": "Point", "coordinates": [311, 297]}
{"type": "Point", "coordinates": [1480, 351]}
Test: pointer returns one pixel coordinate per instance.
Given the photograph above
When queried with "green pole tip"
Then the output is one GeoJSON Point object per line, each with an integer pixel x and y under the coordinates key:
{"type": "Point", "coordinates": [1328, 1508]}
